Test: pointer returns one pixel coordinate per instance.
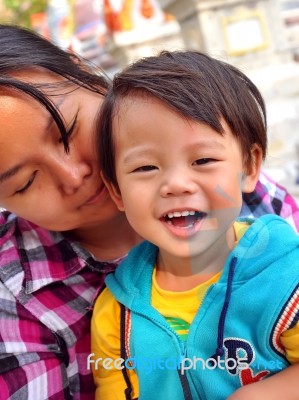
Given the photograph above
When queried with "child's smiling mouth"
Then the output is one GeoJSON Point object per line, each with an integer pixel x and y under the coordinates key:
{"type": "Point", "coordinates": [186, 219]}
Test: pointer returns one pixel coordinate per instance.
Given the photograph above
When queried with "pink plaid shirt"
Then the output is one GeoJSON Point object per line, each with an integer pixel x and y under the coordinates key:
{"type": "Point", "coordinates": [47, 288]}
{"type": "Point", "coordinates": [270, 198]}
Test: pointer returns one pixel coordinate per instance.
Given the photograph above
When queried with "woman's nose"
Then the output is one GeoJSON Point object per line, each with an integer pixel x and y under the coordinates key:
{"type": "Point", "coordinates": [71, 174]}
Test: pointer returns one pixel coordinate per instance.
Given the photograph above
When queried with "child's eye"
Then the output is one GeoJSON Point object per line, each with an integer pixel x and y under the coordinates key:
{"type": "Point", "coordinates": [27, 185]}
{"type": "Point", "coordinates": [203, 161]}
{"type": "Point", "coordinates": [145, 168]}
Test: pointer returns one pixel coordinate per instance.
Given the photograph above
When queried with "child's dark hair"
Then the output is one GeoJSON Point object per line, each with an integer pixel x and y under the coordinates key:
{"type": "Point", "coordinates": [195, 86]}
{"type": "Point", "coordinates": [23, 50]}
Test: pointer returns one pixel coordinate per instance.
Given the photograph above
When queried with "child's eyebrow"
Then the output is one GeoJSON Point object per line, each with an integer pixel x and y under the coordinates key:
{"type": "Point", "coordinates": [137, 153]}
{"type": "Point", "coordinates": [134, 154]}
{"type": "Point", "coordinates": [206, 145]}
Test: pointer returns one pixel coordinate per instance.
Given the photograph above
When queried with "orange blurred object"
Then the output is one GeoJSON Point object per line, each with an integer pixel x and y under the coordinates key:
{"type": "Point", "coordinates": [147, 9]}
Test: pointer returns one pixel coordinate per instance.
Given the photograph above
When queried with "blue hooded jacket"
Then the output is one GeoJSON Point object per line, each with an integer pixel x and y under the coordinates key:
{"type": "Point", "coordinates": [234, 337]}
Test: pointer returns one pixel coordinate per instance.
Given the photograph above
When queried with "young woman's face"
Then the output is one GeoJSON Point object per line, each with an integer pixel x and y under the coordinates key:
{"type": "Point", "coordinates": [38, 180]}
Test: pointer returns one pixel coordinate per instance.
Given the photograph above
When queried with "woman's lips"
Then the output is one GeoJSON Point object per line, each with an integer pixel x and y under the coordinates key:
{"type": "Point", "coordinates": [98, 194]}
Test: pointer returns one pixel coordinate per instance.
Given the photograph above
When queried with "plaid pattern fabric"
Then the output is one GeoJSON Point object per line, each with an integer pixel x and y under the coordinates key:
{"type": "Point", "coordinates": [47, 287]}
{"type": "Point", "coordinates": [271, 198]}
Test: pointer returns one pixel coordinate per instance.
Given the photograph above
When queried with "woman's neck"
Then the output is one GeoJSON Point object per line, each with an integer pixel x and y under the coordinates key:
{"type": "Point", "coordinates": [107, 241]}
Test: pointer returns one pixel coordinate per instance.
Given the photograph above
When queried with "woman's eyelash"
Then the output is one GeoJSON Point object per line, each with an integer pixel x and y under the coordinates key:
{"type": "Point", "coordinates": [28, 184]}
{"type": "Point", "coordinates": [72, 127]}
{"type": "Point", "coordinates": [70, 130]}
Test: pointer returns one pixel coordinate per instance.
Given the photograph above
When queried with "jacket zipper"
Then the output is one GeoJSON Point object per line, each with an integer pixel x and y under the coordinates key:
{"type": "Point", "coordinates": [182, 352]}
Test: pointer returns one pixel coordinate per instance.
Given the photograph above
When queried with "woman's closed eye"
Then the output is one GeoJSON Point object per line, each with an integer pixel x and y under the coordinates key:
{"type": "Point", "coordinates": [27, 184]}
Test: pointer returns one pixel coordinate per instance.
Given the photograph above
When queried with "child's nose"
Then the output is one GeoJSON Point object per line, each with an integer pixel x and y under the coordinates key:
{"type": "Point", "coordinates": [178, 184]}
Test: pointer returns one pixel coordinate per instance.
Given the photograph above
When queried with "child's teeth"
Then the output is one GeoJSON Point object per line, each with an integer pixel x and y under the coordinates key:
{"type": "Point", "coordinates": [180, 214]}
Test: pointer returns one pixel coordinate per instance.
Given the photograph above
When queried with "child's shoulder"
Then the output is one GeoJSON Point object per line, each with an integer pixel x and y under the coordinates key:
{"type": "Point", "coordinates": [266, 242]}
{"type": "Point", "coordinates": [106, 305]}
{"type": "Point", "coordinates": [269, 221]}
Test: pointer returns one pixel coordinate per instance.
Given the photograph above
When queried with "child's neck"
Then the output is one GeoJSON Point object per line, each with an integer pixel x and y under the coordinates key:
{"type": "Point", "coordinates": [181, 274]}
{"type": "Point", "coordinates": [167, 281]}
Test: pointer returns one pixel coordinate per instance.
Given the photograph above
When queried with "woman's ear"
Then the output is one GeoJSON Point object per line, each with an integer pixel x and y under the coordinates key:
{"type": "Point", "coordinates": [114, 193]}
{"type": "Point", "coordinates": [253, 169]}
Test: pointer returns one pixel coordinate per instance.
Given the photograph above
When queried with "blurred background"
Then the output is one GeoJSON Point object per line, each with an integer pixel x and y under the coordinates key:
{"type": "Point", "coordinates": [261, 37]}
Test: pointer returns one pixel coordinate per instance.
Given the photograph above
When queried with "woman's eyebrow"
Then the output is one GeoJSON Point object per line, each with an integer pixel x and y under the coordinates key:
{"type": "Point", "coordinates": [10, 173]}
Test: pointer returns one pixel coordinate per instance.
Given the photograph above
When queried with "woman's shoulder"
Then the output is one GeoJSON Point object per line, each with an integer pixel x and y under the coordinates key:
{"type": "Point", "coordinates": [7, 226]}
{"type": "Point", "coordinates": [19, 230]}
{"type": "Point", "coordinates": [22, 242]}
{"type": "Point", "coordinates": [6, 217]}
{"type": "Point", "coordinates": [32, 257]}
{"type": "Point", "coordinates": [269, 197]}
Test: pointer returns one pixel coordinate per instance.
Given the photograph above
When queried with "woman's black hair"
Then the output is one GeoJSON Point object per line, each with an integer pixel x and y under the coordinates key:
{"type": "Point", "coordinates": [24, 50]}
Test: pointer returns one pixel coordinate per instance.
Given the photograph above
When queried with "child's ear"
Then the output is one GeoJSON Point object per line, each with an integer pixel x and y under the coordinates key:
{"type": "Point", "coordinates": [114, 193]}
{"type": "Point", "coordinates": [253, 169]}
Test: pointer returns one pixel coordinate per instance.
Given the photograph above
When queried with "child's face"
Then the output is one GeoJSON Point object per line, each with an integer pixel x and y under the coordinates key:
{"type": "Point", "coordinates": [180, 181]}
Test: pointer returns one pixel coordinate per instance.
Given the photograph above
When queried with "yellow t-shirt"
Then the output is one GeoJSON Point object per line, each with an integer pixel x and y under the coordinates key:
{"type": "Point", "coordinates": [179, 308]}
{"type": "Point", "coordinates": [105, 329]}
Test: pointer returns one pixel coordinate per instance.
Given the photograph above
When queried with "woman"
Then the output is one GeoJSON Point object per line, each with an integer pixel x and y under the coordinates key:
{"type": "Point", "coordinates": [62, 233]}
{"type": "Point", "coordinates": [49, 176]}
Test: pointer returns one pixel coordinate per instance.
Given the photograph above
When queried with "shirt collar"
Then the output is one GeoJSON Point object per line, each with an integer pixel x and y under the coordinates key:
{"type": "Point", "coordinates": [32, 257]}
